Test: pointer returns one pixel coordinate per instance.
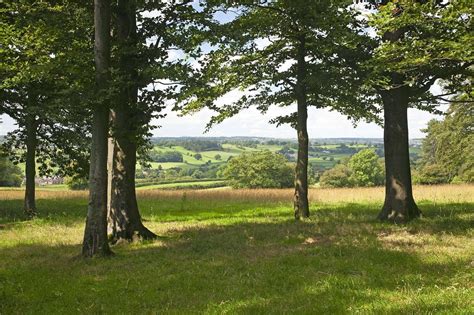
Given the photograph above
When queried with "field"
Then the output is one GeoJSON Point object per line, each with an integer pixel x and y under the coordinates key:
{"type": "Point", "coordinates": [240, 251]}
{"type": "Point", "coordinates": [231, 150]}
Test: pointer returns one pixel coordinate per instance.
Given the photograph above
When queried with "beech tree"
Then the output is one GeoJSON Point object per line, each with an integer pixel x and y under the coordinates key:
{"type": "Point", "coordinates": [95, 234]}
{"type": "Point", "coordinates": [42, 81]}
{"type": "Point", "coordinates": [420, 43]}
{"type": "Point", "coordinates": [284, 53]}
{"type": "Point", "coordinates": [127, 119]}
{"type": "Point", "coordinates": [141, 66]}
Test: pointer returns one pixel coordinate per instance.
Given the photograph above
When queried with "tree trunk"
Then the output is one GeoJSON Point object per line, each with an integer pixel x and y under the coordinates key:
{"type": "Point", "coordinates": [30, 168]}
{"type": "Point", "coordinates": [124, 217]}
{"type": "Point", "coordinates": [300, 202]}
{"type": "Point", "coordinates": [95, 235]}
{"type": "Point", "coordinates": [399, 205]}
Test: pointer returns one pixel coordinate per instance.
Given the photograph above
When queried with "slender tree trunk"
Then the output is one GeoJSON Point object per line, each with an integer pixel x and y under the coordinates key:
{"type": "Point", "coordinates": [399, 205]}
{"type": "Point", "coordinates": [30, 169]}
{"type": "Point", "coordinates": [300, 201]}
{"type": "Point", "coordinates": [124, 217]}
{"type": "Point", "coordinates": [95, 235]}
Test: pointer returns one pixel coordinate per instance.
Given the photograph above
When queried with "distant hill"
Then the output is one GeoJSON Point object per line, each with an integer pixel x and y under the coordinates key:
{"type": "Point", "coordinates": [157, 140]}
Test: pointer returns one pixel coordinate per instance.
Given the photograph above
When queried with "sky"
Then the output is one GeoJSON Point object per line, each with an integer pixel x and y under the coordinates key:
{"type": "Point", "coordinates": [321, 124]}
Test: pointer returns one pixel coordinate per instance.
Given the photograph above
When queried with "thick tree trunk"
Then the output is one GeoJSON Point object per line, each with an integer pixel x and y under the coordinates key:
{"type": "Point", "coordinates": [124, 218]}
{"type": "Point", "coordinates": [300, 202]}
{"type": "Point", "coordinates": [30, 168]}
{"type": "Point", "coordinates": [95, 235]}
{"type": "Point", "coordinates": [399, 205]}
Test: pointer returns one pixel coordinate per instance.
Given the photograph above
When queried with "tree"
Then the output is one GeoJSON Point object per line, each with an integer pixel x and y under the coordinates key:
{"type": "Point", "coordinates": [95, 234]}
{"type": "Point", "coordinates": [127, 117]}
{"type": "Point", "coordinates": [218, 157]}
{"type": "Point", "coordinates": [263, 169]}
{"type": "Point", "coordinates": [141, 63]}
{"type": "Point", "coordinates": [366, 170]}
{"type": "Point", "coordinates": [448, 148]}
{"type": "Point", "coordinates": [38, 73]}
{"type": "Point", "coordinates": [419, 43]}
{"type": "Point", "coordinates": [284, 53]}
{"type": "Point", "coordinates": [198, 156]}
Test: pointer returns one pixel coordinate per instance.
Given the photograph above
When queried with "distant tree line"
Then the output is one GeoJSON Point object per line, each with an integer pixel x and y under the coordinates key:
{"type": "Point", "coordinates": [167, 156]}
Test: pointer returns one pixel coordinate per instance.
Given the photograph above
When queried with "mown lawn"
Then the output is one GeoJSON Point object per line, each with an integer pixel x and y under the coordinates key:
{"type": "Point", "coordinates": [236, 252]}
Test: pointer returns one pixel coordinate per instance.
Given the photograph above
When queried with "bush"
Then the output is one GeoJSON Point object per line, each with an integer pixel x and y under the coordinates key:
{"type": "Point", "coordinates": [263, 169]}
{"type": "Point", "coordinates": [10, 174]}
{"type": "Point", "coordinates": [338, 176]}
{"type": "Point", "coordinates": [77, 183]}
{"type": "Point", "coordinates": [431, 174]}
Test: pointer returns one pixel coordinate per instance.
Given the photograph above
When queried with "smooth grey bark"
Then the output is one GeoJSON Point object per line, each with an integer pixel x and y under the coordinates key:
{"type": "Point", "coordinates": [399, 205]}
{"type": "Point", "coordinates": [30, 166]}
{"type": "Point", "coordinates": [300, 201]}
{"type": "Point", "coordinates": [124, 217]}
{"type": "Point", "coordinates": [95, 241]}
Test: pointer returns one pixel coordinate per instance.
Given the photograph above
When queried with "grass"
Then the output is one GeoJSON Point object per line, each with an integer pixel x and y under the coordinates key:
{"type": "Point", "coordinates": [193, 185]}
{"type": "Point", "coordinates": [228, 251]}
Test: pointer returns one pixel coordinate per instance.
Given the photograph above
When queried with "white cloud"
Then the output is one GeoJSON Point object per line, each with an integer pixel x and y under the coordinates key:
{"type": "Point", "coordinates": [321, 124]}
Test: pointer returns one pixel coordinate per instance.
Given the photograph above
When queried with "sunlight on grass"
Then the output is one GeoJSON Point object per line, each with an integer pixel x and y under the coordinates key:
{"type": "Point", "coordinates": [232, 251]}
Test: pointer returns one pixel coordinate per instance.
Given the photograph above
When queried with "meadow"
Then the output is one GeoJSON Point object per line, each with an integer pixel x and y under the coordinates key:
{"type": "Point", "coordinates": [240, 251]}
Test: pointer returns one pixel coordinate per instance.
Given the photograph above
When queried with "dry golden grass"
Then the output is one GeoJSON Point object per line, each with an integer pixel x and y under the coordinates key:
{"type": "Point", "coordinates": [440, 193]}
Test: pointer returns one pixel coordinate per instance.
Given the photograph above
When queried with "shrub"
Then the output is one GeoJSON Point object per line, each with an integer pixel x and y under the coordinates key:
{"type": "Point", "coordinates": [10, 174]}
{"type": "Point", "coordinates": [431, 174]}
{"type": "Point", "coordinates": [76, 183]}
{"type": "Point", "coordinates": [338, 176]}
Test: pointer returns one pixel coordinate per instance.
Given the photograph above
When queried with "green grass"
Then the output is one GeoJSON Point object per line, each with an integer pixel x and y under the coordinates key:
{"type": "Point", "coordinates": [239, 256]}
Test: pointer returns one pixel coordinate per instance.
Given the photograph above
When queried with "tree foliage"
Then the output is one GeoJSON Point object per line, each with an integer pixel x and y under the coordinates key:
{"type": "Point", "coordinates": [10, 174]}
{"type": "Point", "coordinates": [363, 169]}
{"type": "Point", "coordinates": [448, 148]}
{"type": "Point", "coordinates": [263, 169]}
{"type": "Point", "coordinates": [366, 171]}
{"type": "Point", "coordinates": [256, 54]}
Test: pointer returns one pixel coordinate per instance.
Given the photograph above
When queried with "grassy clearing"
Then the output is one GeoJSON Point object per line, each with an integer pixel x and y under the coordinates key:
{"type": "Point", "coordinates": [228, 251]}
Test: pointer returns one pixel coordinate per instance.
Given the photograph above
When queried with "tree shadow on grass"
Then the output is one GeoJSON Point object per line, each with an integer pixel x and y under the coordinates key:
{"type": "Point", "coordinates": [277, 267]}
{"type": "Point", "coordinates": [454, 218]}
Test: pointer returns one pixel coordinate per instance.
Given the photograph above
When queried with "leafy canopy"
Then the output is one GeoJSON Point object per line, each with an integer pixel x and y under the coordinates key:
{"type": "Point", "coordinates": [263, 169]}
{"type": "Point", "coordinates": [269, 53]}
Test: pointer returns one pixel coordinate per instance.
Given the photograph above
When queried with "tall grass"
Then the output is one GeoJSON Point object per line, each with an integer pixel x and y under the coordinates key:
{"type": "Point", "coordinates": [440, 193]}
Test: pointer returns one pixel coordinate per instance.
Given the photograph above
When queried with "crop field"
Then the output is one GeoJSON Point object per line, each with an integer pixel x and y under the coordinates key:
{"type": "Point", "coordinates": [240, 251]}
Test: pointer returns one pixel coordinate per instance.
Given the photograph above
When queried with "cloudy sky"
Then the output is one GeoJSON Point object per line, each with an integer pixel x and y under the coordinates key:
{"type": "Point", "coordinates": [321, 124]}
